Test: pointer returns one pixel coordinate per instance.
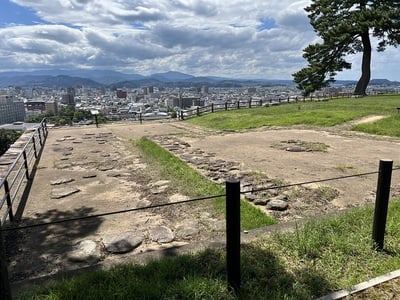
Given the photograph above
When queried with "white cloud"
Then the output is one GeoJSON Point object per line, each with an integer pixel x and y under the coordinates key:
{"type": "Point", "coordinates": [200, 37]}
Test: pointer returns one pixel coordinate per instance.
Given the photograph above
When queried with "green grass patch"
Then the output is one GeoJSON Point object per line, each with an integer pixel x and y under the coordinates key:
{"type": "Point", "coordinates": [389, 126]}
{"type": "Point", "coordinates": [319, 257]}
{"type": "Point", "coordinates": [327, 113]}
{"type": "Point", "coordinates": [194, 184]}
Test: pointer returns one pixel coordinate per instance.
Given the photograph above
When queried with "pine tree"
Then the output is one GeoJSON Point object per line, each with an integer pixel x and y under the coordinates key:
{"type": "Point", "coordinates": [345, 27]}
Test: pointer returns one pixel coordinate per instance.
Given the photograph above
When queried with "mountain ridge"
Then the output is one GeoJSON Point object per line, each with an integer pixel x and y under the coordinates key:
{"type": "Point", "coordinates": [114, 79]}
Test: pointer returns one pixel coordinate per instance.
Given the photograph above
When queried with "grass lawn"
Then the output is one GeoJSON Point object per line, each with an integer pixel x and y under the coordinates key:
{"type": "Point", "coordinates": [329, 113]}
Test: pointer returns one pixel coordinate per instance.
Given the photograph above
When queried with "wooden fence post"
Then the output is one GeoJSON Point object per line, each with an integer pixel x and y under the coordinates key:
{"type": "Point", "coordinates": [212, 107]}
{"type": "Point", "coordinates": [226, 105]}
{"type": "Point", "coordinates": [5, 289]}
{"type": "Point", "coordinates": [233, 233]}
{"type": "Point", "coordinates": [382, 202]}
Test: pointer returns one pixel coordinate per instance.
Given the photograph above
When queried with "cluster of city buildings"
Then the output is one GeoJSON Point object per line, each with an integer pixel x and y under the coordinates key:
{"type": "Point", "coordinates": [18, 104]}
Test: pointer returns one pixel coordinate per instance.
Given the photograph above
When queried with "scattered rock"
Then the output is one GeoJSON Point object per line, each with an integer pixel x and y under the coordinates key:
{"type": "Point", "coordinates": [250, 197]}
{"type": "Point", "coordinates": [105, 168]}
{"type": "Point", "coordinates": [63, 166]}
{"type": "Point", "coordinates": [114, 174]}
{"type": "Point", "coordinates": [61, 181]}
{"type": "Point", "coordinates": [161, 234]}
{"type": "Point", "coordinates": [260, 201]}
{"type": "Point", "coordinates": [276, 204]}
{"type": "Point", "coordinates": [63, 192]}
{"type": "Point", "coordinates": [177, 198]}
{"type": "Point", "coordinates": [143, 203]}
{"type": "Point", "coordinates": [85, 251]}
{"type": "Point", "coordinates": [187, 229]}
{"type": "Point", "coordinates": [159, 183]}
{"type": "Point", "coordinates": [159, 190]}
{"type": "Point", "coordinates": [123, 242]}
{"type": "Point", "coordinates": [89, 176]}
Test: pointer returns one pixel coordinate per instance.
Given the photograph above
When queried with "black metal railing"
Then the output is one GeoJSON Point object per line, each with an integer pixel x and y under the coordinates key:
{"type": "Point", "coordinates": [21, 158]}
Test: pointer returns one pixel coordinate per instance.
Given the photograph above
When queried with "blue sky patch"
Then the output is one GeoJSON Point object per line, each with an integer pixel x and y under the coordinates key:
{"type": "Point", "coordinates": [11, 13]}
{"type": "Point", "coordinates": [266, 23]}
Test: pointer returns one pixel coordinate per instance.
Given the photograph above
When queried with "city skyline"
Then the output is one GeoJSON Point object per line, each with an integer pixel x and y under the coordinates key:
{"type": "Point", "coordinates": [235, 39]}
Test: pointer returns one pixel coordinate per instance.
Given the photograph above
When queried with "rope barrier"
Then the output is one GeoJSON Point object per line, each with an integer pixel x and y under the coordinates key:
{"type": "Point", "coordinates": [183, 202]}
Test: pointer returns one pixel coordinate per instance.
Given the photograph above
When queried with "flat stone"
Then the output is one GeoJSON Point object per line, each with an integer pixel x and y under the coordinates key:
{"type": "Point", "coordinates": [85, 251]}
{"type": "Point", "coordinates": [61, 181]}
{"type": "Point", "coordinates": [106, 168]}
{"type": "Point", "coordinates": [114, 174]}
{"type": "Point", "coordinates": [64, 166]}
{"type": "Point", "coordinates": [143, 203]}
{"type": "Point", "coordinates": [161, 234]}
{"type": "Point", "coordinates": [89, 176]}
{"type": "Point", "coordinates": [250, 197]}
{"type": "Point", "coordinates": [260, 201]}
{"type": "Point", "coordinates": [62, 192]}
{"type": "Point", "coordinates": [177, 198]}
{"type": "Point", "coordinates": [187, 229]}
{"type": "Point", "coordinates": [160, 190]}
{"type": "Point", "coordinates": [123, 242]}
{"type": "Point", "coordinates": [276, 204]}
{"type": "Point", "coordinates": [296, 149]}
{"type": "Point", "coordinates": [159, 183]}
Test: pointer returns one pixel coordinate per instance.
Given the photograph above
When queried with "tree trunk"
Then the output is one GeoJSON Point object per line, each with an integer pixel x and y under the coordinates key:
{"type": "Point", "coordinates": [363, 82]}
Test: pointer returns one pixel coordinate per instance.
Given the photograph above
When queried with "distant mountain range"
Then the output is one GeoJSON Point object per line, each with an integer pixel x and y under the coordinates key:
{"type": "Point", "coordinates": [113, 79]}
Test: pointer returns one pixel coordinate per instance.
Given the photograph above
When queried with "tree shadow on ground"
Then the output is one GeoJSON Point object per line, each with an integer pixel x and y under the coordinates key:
{"type": "Point", "coordinates": [198, 276]}
{"type": "Point", "coordinates": [42, 250]}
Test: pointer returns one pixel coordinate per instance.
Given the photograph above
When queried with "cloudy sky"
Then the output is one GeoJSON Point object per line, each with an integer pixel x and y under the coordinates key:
{"type": "Point", "coordinates": [239, 39]}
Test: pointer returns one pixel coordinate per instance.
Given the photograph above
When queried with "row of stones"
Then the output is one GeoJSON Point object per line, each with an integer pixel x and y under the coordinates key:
{"type": "Point", "coordinates": [257, 189]}
{"type": "Point", "coordinates": [91, 251]}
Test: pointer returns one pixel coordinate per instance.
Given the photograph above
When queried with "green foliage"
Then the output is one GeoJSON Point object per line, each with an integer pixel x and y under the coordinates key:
{"type": "Point", "coordinates": [7, 138]}
{"type": "Point", "coordinates": [344, 28]}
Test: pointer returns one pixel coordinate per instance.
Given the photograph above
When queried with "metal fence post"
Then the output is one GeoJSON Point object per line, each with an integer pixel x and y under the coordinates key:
{"type": "Point", "coordinates": [9, 202]}
{"type": "Point", "coordinates": [26, 165]}
{"type": "Point", "coordinates": [5, 289]}
{"type": "Point", "coordinates": [40, 138]}
{"type": "Point", "coordinates": [233, 233]}
{"type": "Point", "coordinates": [34, 146]}
{"type": "Point", "coordinates": [381, 202]}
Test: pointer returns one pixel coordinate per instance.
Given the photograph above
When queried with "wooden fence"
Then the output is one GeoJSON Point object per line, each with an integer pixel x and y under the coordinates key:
{"type": "Point", "coordinates": [238, 104]}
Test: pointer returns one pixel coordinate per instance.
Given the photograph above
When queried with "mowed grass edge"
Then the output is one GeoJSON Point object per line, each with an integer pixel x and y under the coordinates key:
{"type": "Point", "coordinates": [194, 184]}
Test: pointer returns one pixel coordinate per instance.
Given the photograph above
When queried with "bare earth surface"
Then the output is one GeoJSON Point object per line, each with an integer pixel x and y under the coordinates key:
{"type": "Point", "coordinates": [101, 171]}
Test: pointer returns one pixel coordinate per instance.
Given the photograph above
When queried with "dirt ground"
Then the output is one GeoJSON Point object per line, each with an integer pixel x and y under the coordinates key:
{"type": "Point", "coordinates": [108, 174]}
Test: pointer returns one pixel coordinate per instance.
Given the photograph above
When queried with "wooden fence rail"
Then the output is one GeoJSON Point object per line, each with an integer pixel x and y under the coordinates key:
{"type": "Point", "coordinates": [238, 104]}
